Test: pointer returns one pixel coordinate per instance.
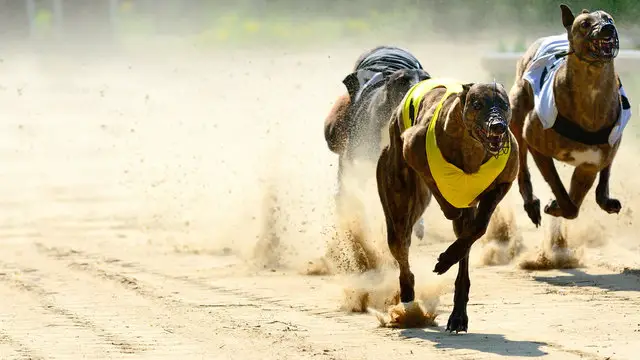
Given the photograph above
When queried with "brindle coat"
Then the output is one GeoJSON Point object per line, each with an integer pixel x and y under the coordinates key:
{"type": "Point", "coordinates": [405, 184]}
{"type": "Point", "coordinates": [586, 92]}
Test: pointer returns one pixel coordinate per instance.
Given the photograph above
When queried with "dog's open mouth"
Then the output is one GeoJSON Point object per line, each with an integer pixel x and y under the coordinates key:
{"type": "Point", "coordinates": [605, 48]}
{"type": "Point", "coordinates": [494, 143]}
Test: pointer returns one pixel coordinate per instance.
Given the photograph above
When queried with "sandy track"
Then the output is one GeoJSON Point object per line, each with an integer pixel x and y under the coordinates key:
{"type": "Point", "coordinates": [132, 199]}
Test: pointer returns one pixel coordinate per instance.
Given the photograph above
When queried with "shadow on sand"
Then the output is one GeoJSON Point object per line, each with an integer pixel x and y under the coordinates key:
{"type": "Point", "coordinates": [487, 343]}
{"type": "Point", "coordinates": [628, 280]}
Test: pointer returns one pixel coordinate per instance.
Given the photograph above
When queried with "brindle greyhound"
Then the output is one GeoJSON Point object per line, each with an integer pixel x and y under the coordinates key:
{"type": "Point", "coordinates": [469, 164]}
{"type": "Point", "coordinates": [584, 123]}
{"type": "Point", "coordinates": [353, 129]}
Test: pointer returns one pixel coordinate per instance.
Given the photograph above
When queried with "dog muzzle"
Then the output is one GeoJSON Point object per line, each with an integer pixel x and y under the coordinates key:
{"type": "Point", "coordinates": [604, 41]}
{"type": "Point", "coordinates": [494, 133]}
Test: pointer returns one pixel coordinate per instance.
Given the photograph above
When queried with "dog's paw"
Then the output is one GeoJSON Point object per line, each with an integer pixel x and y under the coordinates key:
{"type": "Point", "coordinates": [458, 321]}
{"type": "Point", "coordinates": [554, 209]}
{"type": "Point", "coordinates": [533, 210]}
{"type": "Point", "coordinates": [611, 206]}
{"type": "Point", "coordinates": [443, 265]}
{"type": "Point", "coordinates": [454, 253]}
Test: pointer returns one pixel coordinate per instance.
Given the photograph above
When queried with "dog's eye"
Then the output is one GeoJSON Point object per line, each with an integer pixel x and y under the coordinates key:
{"type": "Point", "coordinates": [477, 105]}
{"type": "Point", "coordinates": [504, 106]}
{"type": "Point", "coordinates": [585, 24]}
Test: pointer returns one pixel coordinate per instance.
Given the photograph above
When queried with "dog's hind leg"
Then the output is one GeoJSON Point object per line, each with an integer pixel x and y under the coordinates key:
{"type": "Point", "coordinates": [521, 105]}
{"type": "Point", "coordinates": [581, 182]}
{"type": "Point", "coordinates": [562, 206]}
{"type": "Point", "coordinates": [397, 222]}
{"type": "Point", "coordinates": [606, 203]}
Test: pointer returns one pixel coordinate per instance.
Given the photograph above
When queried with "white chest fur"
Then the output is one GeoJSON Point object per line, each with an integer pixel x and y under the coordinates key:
{"type": "Point", "coordinates": [590, 156]}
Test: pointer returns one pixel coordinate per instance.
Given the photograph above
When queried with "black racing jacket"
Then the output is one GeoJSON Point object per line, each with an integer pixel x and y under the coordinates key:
{"type": "Point", "coordinates": [375, 66]}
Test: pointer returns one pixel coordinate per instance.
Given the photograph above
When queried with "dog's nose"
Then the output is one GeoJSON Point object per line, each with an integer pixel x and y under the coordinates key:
{"type": "Point", "coordinates": [497, 128]}
{"type": "Point", "coordinates": [608, 30]}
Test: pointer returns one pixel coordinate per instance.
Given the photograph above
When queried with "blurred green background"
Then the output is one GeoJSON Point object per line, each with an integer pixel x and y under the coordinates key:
{"type": "Point", "coordinates": [316, 22]}
{"type": "Point", "coordinates": [206, 23]}
{"type": "Point", "coordinates": [203, 25]}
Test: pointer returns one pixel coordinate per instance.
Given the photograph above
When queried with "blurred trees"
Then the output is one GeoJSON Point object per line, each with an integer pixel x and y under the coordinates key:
{"type": "Point", "coordinates": [530, 13]}
{"type": "Point", "coordinates": [192, 16]}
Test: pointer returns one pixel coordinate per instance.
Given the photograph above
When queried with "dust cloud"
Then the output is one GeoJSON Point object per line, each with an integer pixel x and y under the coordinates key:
{"type": "Point", "coordinates": [378, 292]}
{"type": "Point", "coordinates": [555, 252]}
{"type": "Point", "coordinates": [502, 243]}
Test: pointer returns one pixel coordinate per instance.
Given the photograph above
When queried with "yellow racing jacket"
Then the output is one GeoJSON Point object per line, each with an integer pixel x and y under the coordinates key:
{"type": "Point", "coordinates": [458, 188]}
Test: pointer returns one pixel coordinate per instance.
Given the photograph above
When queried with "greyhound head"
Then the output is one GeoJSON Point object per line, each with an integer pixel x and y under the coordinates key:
{"type": "Point", "coordinates": [486, 114]}
{"type": "Point", "coordinates": [593, 35]}
{"type": "Point", "coordinates": [400, 81]}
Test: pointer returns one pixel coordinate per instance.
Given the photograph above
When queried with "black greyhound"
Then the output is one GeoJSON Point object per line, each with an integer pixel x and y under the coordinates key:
{"type": "Point", "coordinates": [356, 128]}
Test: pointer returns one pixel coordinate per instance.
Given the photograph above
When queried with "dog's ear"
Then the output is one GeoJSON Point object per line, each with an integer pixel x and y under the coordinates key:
{"type": "Point", "coordinates": [401, 81]}
{"type": "Point", "coordinates": [423, 75]}
{"type": "Point", "coordinates": [397, 84]}
{"type": "Point", "coordinates": [567, 16]}
{"type": "Point", "coordinates": [463, 94]}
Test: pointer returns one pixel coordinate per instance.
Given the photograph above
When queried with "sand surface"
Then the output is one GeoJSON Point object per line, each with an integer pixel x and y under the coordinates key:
{"type": "Point", "coordinates": [169, 207]}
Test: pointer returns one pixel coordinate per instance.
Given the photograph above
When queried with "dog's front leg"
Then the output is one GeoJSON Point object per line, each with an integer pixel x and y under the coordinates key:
{"type": "Point", "coordinates": [611, 206]}
{"type": "Point", "coordinates": [474, 231]}
{"type": "Point", "coordinates": [458, 320]}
